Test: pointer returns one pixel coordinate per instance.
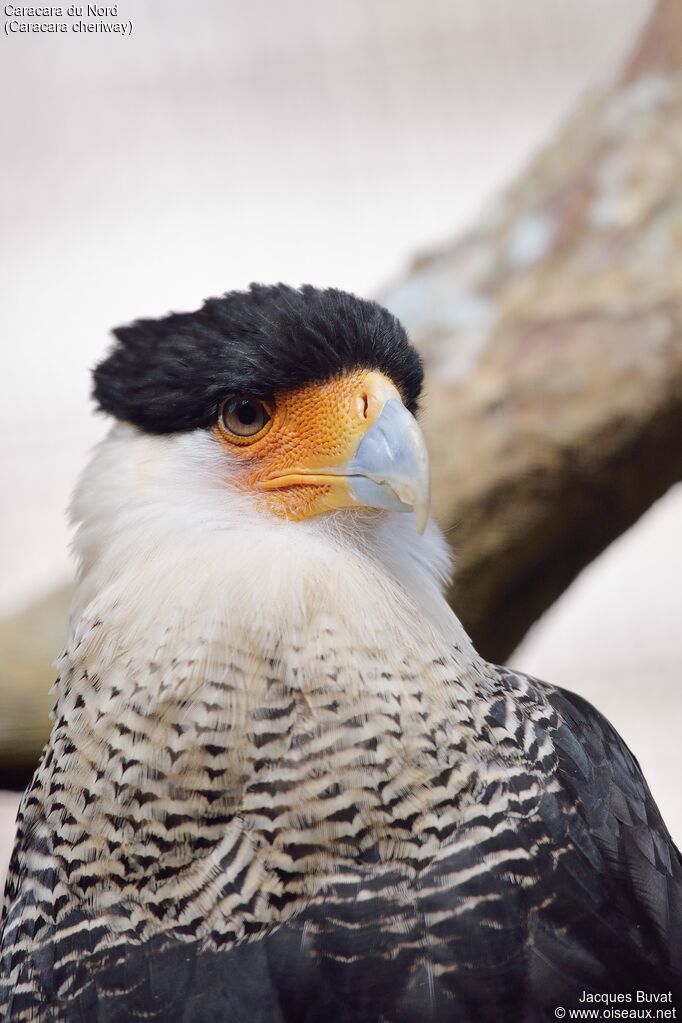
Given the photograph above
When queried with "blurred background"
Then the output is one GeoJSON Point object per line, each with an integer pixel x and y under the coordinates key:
{"type": "Point", "coordinates": [506, 177]}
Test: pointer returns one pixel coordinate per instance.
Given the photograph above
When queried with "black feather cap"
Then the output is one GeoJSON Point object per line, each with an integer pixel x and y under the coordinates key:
{"type": "Point", "coordinates": [172, 374]}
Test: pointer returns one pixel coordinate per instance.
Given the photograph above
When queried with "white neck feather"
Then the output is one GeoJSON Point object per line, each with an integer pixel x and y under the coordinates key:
{"type": "Point", "coordinates": [164, 537]}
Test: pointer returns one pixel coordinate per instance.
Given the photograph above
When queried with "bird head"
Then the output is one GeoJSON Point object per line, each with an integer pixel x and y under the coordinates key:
{"type": "Point", "coordinates": [307, 396]}
{"type": "Point", "coordinates": [265, 472]}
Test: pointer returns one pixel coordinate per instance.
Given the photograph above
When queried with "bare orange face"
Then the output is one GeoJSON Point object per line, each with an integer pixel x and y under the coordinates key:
{"type": "Point", "coordinates": [296, 450]}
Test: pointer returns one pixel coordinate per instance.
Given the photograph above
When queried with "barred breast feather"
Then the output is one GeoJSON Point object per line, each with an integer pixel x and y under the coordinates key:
{"type": "Point", "coordinates": [364, 834]}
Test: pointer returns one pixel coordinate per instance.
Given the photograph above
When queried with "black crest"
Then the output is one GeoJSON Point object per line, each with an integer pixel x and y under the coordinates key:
{"type": "Point", "coordinates": [171, 374]}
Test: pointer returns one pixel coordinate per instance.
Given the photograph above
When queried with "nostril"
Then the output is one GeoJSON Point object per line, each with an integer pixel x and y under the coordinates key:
{"type": "Point", "coordinates": [365, 405]}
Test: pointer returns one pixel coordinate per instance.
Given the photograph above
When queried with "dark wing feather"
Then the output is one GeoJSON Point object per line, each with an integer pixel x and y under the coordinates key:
{"type": "Point", "coordinates": [620, 848]}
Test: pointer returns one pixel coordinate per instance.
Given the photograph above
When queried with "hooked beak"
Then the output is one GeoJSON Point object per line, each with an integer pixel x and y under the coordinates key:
{"type": "Point", "coordinates": [378, 456]}
{"type": "Point", "coordinates": [391, 465]}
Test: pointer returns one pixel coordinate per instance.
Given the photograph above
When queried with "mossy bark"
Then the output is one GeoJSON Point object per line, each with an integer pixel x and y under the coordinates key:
{"type": "Point", "coordinates": [552, 335]}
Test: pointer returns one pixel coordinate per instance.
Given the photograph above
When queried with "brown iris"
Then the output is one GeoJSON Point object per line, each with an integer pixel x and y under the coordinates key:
{"type": "Point", "coordinates": [244, 417]}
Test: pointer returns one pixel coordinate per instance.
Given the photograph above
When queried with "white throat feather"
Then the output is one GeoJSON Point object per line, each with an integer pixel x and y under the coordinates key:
{"type": "Point", "coordinates": [164, 538]}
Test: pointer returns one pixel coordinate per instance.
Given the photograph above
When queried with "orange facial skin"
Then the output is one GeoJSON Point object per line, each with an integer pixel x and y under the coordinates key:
{"type": "Point", "coordinates": [296, 462]}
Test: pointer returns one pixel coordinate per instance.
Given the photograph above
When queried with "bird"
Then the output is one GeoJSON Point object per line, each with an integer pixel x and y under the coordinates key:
{"type": "Point", "coordinates": [281, 784]}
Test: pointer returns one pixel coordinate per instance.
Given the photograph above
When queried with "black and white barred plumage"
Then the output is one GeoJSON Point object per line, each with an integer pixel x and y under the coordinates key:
{"type": "Point", "coordinates": [282, 786]}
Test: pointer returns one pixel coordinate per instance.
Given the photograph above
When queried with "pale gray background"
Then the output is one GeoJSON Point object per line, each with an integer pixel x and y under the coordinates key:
{"type": "Point", "coordinates": [312, 140]}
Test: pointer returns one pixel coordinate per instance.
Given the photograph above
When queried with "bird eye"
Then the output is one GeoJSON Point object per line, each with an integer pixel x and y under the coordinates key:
{"type": "Point", "coordinates": [244, 416]}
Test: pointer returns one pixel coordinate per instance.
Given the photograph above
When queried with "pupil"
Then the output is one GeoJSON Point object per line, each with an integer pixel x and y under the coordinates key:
{"type": "Point", "coordinates": [247, 412]}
